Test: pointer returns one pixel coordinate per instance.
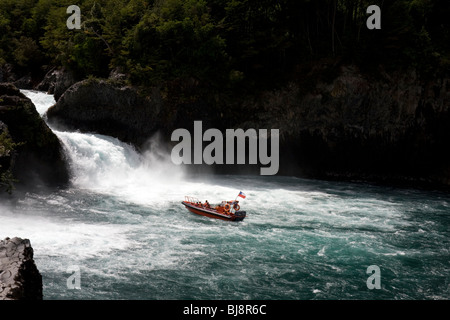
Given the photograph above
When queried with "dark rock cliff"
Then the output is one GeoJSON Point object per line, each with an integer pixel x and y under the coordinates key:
{"type": "Point", "coordinates": [56, 82]}
{"type": "Point", "coordinates": [19, 277]}
{"type": "Point", "coordinates": [335, 121]}
{"type": "Point", "coordinates": [39, 158]}
{"type": "Point", "coordinates": [100, 106]}
{"type": "Point", "coordinates": [390, 128]}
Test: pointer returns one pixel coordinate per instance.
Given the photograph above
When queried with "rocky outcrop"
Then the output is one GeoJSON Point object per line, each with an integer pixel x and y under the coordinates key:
{"type": "Point", "coordinates": [38, 159]}
{"type": "Point", "coordinates": [19, 277]}
{"type": "Point", "coordinates": [335, 121]}
{"type": "Point", "coordinates": [103, 107]}
{"type": "Point", "coordinates": [25, 82]}
{"type": "Point", "coordinates": [389, 127]}
{"type": "Point", "coordinates": [56, 82]}
{"type": "Point", "coordinates": [20, 78]}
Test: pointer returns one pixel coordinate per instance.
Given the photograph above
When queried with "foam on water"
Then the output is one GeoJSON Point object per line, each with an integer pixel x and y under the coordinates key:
{"type": "Point", "coordinates": [89, 239]}
{"type": "Point", "coordinates": [42, 101]}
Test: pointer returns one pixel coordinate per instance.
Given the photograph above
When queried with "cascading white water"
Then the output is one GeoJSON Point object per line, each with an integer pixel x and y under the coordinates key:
{"type": "Point", "coordinates": [41, 101]}
{"type": "Point", "coordinates": [107, 165]}
{"type": "Point", "coordinates": [104, 164]}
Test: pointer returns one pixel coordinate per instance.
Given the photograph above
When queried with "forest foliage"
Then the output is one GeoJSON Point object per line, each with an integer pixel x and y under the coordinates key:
{"type": "Point", "coordinates": [220, 42]}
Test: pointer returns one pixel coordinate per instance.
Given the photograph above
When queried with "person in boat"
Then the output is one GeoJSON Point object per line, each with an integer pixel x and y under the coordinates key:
{"type": "Point", "coordinates": [207, 205]}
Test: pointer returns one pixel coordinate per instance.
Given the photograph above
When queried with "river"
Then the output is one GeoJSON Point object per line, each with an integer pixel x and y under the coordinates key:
{"type": "Point", "coordinates": [122, 225]}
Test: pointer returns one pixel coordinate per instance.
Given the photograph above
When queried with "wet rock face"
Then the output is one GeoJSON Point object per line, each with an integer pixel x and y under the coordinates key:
{"type": "Point", "coordinates": [391, 128]}
{"type": "Point", "coordinates": [19, 277]}
{"type": "Point", "coordinates": [56, 82]}
{"type": "Point", "coordinates": [99, 106]}
{"type": "Point", "coordinates": [39, 159]}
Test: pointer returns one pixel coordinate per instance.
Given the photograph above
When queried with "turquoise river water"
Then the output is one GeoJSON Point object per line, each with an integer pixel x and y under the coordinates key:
{"type": "Point", "coordinates": [122, 225]}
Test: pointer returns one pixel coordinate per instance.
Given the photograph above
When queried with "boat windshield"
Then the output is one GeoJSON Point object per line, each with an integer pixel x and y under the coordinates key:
{"type": "Point", "coordinates": [191, 199]}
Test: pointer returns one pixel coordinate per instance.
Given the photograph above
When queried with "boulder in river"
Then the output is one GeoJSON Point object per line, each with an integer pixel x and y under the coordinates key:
{"type": "Point", "coordinates": [19, 277]}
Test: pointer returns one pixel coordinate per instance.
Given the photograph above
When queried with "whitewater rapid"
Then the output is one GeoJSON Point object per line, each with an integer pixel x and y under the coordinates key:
{"type": "Point", "coordinates": [121, 221]}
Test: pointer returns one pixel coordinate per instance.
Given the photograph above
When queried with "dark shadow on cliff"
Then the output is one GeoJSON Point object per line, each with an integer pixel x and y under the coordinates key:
{"type": "Point", "coordinates": [37, 158]}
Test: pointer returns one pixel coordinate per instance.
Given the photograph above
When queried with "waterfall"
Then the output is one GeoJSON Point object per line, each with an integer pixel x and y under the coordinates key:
{"type": "Point", "coordinates": [107, 165]}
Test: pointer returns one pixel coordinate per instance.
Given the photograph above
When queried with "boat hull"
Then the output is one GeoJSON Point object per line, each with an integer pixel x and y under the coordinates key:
{"type": "Point", "coordinates": [211, 213]}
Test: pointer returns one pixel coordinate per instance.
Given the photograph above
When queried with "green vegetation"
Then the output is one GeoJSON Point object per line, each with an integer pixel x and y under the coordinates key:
{"type": "Point", "coordinates": [223, 43]}
{"type": "Point", "coordinates": [7, 147]}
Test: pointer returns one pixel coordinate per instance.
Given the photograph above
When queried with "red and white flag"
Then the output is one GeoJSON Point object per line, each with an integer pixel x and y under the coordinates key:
{"type": "Point", "coordinates": [242, 195]}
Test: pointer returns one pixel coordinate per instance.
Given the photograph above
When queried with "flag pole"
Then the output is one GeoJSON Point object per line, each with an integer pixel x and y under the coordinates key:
{"type": "Point", "coordinates": [236, 197]}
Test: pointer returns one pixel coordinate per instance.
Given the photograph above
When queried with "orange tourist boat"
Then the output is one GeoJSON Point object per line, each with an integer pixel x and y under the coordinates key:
{"type": "Point", "coordinates": [227, 210]}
